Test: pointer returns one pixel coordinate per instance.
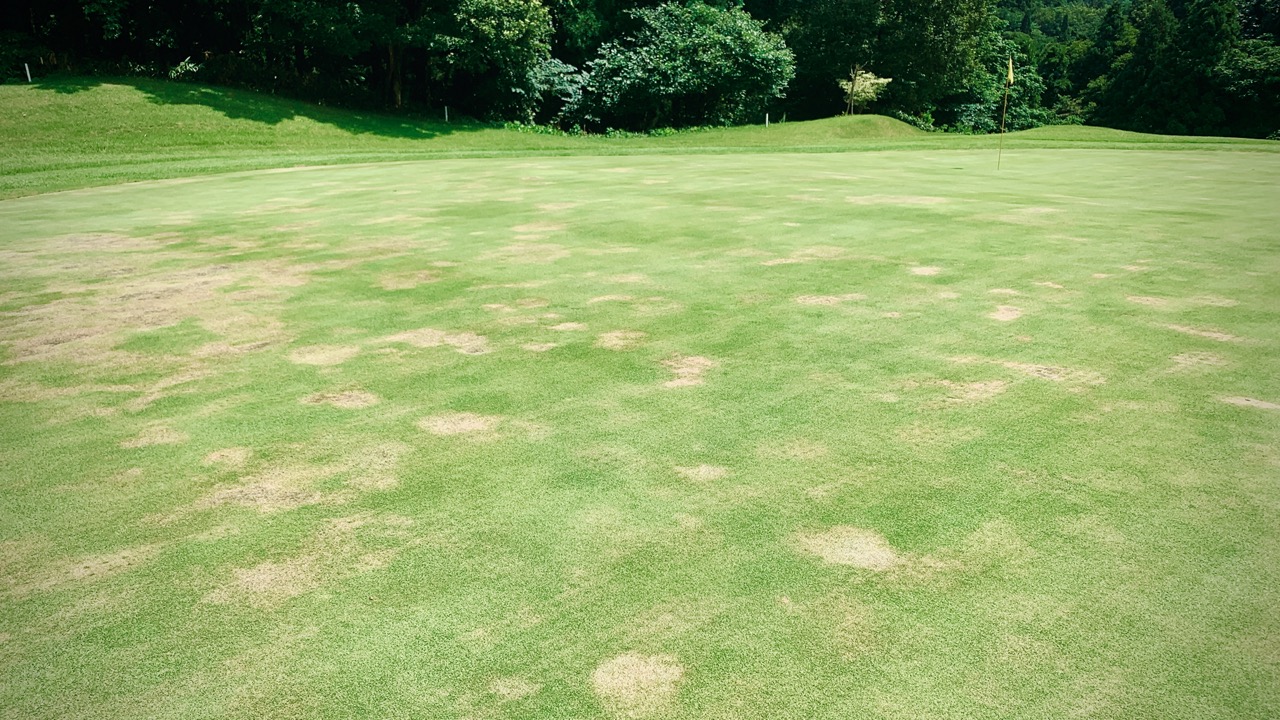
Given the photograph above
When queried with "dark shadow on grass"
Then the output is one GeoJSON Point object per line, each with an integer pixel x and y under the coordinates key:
{"type": "Point", "coordinates": [241, 104]}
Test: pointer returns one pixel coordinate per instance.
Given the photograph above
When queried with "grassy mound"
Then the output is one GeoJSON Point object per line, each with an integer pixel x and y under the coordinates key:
{"type": "Point", "coordinates": [75, 132]}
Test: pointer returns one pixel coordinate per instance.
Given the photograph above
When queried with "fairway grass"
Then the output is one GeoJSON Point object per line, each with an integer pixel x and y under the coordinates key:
{"type": "Point", "coordinates": [810, 435]}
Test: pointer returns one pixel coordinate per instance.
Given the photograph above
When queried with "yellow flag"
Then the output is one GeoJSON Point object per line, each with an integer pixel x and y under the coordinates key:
{"type": "Point", "coordinates": [1010, 69]}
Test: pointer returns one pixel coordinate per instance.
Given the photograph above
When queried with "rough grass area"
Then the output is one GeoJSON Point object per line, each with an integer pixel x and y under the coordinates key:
{"type": "Point", "coordinates": [68, 133]}
{"type": "Point", "coordinates": [880, 434]}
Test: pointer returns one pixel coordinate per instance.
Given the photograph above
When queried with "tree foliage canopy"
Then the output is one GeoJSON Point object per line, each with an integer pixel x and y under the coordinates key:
{"type": "Point", "coordinates": [1179, 66]}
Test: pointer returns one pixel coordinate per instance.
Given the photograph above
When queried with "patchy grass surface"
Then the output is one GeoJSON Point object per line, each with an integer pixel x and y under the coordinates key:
{"type": "Point", "coordinates": [885, 434]}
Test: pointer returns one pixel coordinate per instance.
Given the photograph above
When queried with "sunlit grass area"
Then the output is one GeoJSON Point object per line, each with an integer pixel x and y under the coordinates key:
{"type": "Point", "coordinates": [664, 435]}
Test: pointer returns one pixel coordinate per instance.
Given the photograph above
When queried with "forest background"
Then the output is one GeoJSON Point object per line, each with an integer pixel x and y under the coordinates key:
{"type": "Point", "coordinates": [1200, 67]}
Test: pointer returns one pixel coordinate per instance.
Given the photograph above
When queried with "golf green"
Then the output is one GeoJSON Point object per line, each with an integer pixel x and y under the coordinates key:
{"type": "Point", "coordinates": [879, 434]}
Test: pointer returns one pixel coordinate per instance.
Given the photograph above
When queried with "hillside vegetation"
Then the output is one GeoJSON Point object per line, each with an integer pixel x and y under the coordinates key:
{"type": "Point", "coordinates": [73, 132]}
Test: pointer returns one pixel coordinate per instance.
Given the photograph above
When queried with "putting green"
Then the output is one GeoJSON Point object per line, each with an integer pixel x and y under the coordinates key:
{"type": "Point", "coordinates": [883, 434]}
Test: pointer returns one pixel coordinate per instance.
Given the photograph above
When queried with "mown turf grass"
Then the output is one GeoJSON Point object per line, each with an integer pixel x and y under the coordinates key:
{"type": "Point", "coordinates": [825, 482]}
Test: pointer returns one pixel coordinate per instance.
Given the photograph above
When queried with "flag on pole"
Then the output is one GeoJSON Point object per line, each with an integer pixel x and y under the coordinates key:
{"type": "Point", "coordinates": [1010, 70]}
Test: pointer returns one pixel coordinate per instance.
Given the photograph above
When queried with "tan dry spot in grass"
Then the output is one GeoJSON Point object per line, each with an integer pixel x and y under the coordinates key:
{"type": "Point", "coordinates": [964, 392]}
{"type": "Point", "coordinates": [276, 489]}
{"type": "Point", "coordinates": [1050, 284]}
{"type": "Point", "coordinates": [510, 689]}
{"type": "Point", "coordinates": [688, 370]}
{"type": "Point", "coordinates": [345, 399]}
{"type": "Point", "coordinates": [629, 278]}
{"type": "Point", "coordinates": [407, 280]}
{"type": "Point", "coordinates": [703, 473]}
{"type": "Point", "coordinates": [539, 347]}
{"type": "Point", "coordinates": [636, 686]}
{"type": "Point", "coordinates": [829, 300]}
{"type": "Point", "coordinates": [1057, 374]}
{"type": "Point", "coordinates": [1250, 402]}
{"type": "Point", "coordinates": [1197, 359]}
{"type": "Point", "coordinates": [335, 552]}
{"type": "Point", "coordinates": [799, 449]}
{"type": "Point", "coordinates": [1135, 268]}
{"type": "Point", "coordinates": [806, 255]}
{"type": "Point", "coordinates": [852, 546]}
{"type": "Point", "coordinates": [374, 467]}
{"type": "Point", "coordinates": [230, 457]}
{"type": "Point", "coordinates": [539, 228]}
{"type": "Point", "coordinates": [77, 570]}
{"type": "Point", "coordinates": [1210, 334]}
{"type": "Point", "coordinates": [620, 340]}
{"type": "Point", "coordinates": [531, 303]}
{"type": "Point", "coordinates": [609, 298]}
{"type": "Point", "coordinates": [1006, 313]}
{"type": "Point", "coordinates": [156, 435]}
{"type": "Point", "coordinates": [553, 207]}
{"type": "Point", "coordinates": [925, 270]}
{"type": "Point", "coordinates": [1213, 301]}
{"type": "Point", "coordinates": [460, 423]}
{"type": "Point", "coordinates": [530, 253]}
{"type": "Point", "coordinates": [323, 354]}
{"type": "Point", "coordinates": [1004, 291]}
{"type": "Point", "coordinates": [467, 343]}
{"type": "Point", "coordinates": [1154, 302]}
{"type": "Point", "coordinates": [568, 327]}
{"type": "Point", "coordinates": [902, 200]}
{"type": "Point", "coordinates": [1100, 276]}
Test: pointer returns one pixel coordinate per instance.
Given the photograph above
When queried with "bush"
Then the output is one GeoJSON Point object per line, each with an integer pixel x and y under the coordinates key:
{"type": "Point", "coordinates": [685, 66]}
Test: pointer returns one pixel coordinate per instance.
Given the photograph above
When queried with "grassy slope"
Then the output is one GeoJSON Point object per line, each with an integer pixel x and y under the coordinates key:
{"type": "Point", "coordinates": [69, 133]}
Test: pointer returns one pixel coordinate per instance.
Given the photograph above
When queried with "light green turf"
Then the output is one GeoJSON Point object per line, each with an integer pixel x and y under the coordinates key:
{"type": "Point", "coordinates": [76, 132]}
{"type": "Point", "coordinates": [1066, 517]}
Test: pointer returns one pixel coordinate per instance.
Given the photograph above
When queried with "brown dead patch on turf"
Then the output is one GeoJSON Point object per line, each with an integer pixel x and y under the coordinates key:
{"type": "Point", "coordinates": [688, 370]}
{"type": "Point", "coordinates": [527, 253]}
{"type": "Point", "coordinates": [829, 300]}
{"type": "Point", "coordinates": [1213, 301]}
{"type": "Point", "coordinates": [539, 347]}
{"type": "Point", "coordinates": [968, 392]}
{"type": "Point", "coordinates": [1050, 284]}
{"type": "Point", "coordinates": [374, 466]}
{"type": "Point", "coordinates": [461, 423]}
{"type": "Point", "coordinates": [510, 689]}
{"type": "Point", "coordinates": [323, 355]}
{"type": "Point", "coordinates": [637, 686]}
{"type": "Point", "coordinates": [629, 278]}
{"type": "Point", "coordinates": [341, 548]}
{"type": "Point", "coordinates": [23, 581]}
{"type": "Point", "coordinates": [345, 399]}
{"type": "Point", "coordinates": [799, 449]}
{"type": "Point", "coordinates": [851, 546]}
{"type": "Point", "coordinates": [407, 280]}
{"type": "Point", "coordinates": [1029, 216]}
{"type": "Point", "coordinates": [620, 340]}
{"type": "Point", "coordinates": [1217, 335]}
{"type": "Point", "coordinates": [808, 255]}
{"type": "Point", "coordinates": [467, 343]}
{"type": "Point", "coordinates": [568, 327]}
{"type": "Point", "coordinates": [553, 207]}
{"type": "Point", "coordinates": [1251, 403]}
{"type": "Point", "coordinates": [233, 457]}
{"type": "Point", "coordinates": [925, 270]}
{"type": "Point", "coordinates": [1189, 360]}
{"type": "Point", "coordinates": [276, 489]}
{"type": "Point", "coordinates": [1006, 313]}
{"type": "Point", "coordinates": [899, 200]}
{"type": "Point", "coordinates": [610, 298]}
{"type": "Point", "coordinates": [531, 303]}
{"type": "Point", "coordinates": [156, 435]}
{"type": "Point", "coordinates": [702, 473]}
{"type": "Point", "coordinates": [1148, 301]}
{"type": "Point", "coordinates": [1057, 374]}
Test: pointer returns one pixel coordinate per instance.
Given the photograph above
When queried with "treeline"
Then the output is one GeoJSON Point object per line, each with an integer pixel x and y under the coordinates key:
{"type": "Point", "coordinates": [1178, 66]}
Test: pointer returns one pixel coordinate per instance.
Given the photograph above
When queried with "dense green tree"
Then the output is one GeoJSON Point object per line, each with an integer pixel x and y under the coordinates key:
{"type": "Point", "coordinates": [685, 65]}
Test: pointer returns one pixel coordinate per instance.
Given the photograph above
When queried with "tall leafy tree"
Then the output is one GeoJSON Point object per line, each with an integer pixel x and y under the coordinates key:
{"type": "Point", "coordinates": [686, 65]}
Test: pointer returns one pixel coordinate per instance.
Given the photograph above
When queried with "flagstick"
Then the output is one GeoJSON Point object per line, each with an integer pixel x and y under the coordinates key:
{"type": "Point", "coordinates": [1003, 113]}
